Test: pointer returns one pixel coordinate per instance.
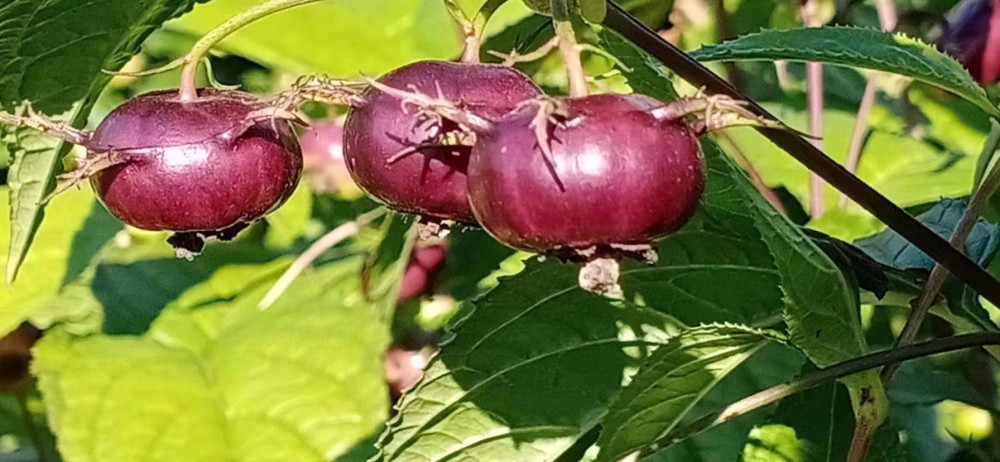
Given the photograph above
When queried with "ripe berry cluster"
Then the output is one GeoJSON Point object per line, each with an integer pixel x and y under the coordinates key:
{"type": "Point", "coordinates": [589, 178]}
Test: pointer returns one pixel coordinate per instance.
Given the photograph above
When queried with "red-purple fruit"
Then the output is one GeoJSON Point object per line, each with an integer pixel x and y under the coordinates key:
{"type": "Point", "coordinates": [323, 157]}
{"type": "Point", "coordinates": [972, 36]}
{"type": "Point", "coordinates": [619, 177]}
{"type": "Point", "coordinates": [425, 265]}
{"type": "Point", "coordinates": [430, 181]}
{"type": "Point", "coordinates": [196, 167]}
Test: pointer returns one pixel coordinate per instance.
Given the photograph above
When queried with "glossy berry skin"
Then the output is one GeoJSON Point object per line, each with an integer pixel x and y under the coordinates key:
{"type": "Point", "coordinates": [624, 177]}
{"type": "Point", "coordinates": [972, 36]}
{"type": "Point", "coordinates": [194, 166]}
{"type": "Point", "coordinates": [432, 181]}
{"type": "Point", "coordinates": [422, 271]}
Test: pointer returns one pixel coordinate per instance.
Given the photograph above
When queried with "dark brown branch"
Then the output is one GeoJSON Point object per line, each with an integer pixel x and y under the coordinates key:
{"type": "Point", "coordinates": [814, 159]}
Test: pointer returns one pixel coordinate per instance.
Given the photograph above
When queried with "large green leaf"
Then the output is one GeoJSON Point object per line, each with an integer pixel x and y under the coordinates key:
{"type": "Point", "coordinates": [222, 380]}
{"type": "Point", "coordinates": [52, 54]}
{"type": "Point", "coordinates": [821, 304]}
{"type": "Point", "coordinates": [342, 38]}
{"type": "Point", "coordinates": [849, 46]}
{"type": "Point", "coordinates": [80, 229]}
{"type": "Point", "coordinates": [528, 371]}
{"type": "Point", "coordinates": [674, 379]}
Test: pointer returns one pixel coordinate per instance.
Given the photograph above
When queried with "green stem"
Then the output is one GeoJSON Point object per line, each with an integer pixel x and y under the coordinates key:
{"type": "Point", "coordinates": [829, 374]}
{"type": "Point", "coordinates": [188, 90]}
{"type": "Point", "coordinates": [561, 19]}
{"type": "Point", "coordinates": [939, 274]}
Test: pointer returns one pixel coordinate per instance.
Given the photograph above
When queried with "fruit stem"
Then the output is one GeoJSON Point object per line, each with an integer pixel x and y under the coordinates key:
{"type": "Point", "coordinates": [41, 123]}
{"type": "Point", "coordinates": [188, 89]}
{"type": "Point", "coordinates": [474, 29]}
{"type": "Point", "coordinates": [324, 243]}
{"type": "Point", "coordinates": [561, 19]}
{"type": "Point", "coordinates": [938, 276]}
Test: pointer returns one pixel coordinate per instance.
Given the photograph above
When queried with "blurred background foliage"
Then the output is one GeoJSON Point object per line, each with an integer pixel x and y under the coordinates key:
{"type": "Point", "coordinates": [122, 312]}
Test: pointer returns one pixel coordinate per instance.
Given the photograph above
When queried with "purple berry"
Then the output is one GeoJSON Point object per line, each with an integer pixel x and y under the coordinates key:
{"type": "Point", "coordinates": [422, 271]}
{"type": "Point", "coordinates": [432, 180]}
{"type": "Point", "coordinates": [972, 36]}
{"type": "Point", "coordinates": [621, 177]}
{"type": "Point", "coordinates": [194, 166]}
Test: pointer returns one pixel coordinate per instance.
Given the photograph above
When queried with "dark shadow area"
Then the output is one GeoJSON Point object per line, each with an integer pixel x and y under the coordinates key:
{"type": "Point", "coordinates": [99, 228]}
{"type": "Point", "coordinates": [133, 294]}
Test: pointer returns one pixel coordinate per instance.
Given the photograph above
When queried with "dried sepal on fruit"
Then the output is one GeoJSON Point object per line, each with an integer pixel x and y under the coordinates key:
{"type": "Point", "coordinates": [590, 179]}
{"type": "Point", "coordinates": [413, 160]}
{"type": "Point", "coordinates": [204, 169]}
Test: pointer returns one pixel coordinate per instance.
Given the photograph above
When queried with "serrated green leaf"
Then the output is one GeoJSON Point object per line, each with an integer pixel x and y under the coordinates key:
{"type": "Point", "coordinates": [774, 364]}
{"type": "Point", "coordinates": [57, 67]}
{"type": "Point", "coordinates": [849, 46]}
{"type": "Point", "coordinates": [79, 229]}
{"type": "Point", "coordinates": [525, 373]}
{"type": "Point", "coordinates": [673, 380]}
{"type": "Point", "coordinates": [302, 380]}
{"type": "Point", "coordinates": [824, 323]}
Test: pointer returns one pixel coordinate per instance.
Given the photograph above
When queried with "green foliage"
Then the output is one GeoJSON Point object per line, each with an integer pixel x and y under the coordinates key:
{"type": "Point", "coordinates": [798, 436]}
{"type": "Point", "coordinates": [71, 241]}
{"type": "Point", "coordinates": [671, 382]}
{"type": "Point", "coordinates": [221, 380]}
{"type": "Point", "coordinates": [342, 38]}
{"type": "Point", "coordinates": [849, 46]}
{"type": "Point", "coordinates": [890, 249]}
{"type": "Point", "coordinates": [907, 170]}
{"type": "Point", "coordinates": [531, 368]}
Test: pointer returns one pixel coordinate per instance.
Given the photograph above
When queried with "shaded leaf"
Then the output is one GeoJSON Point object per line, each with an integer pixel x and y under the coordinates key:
{"type": "Point", "coordinates": [673, 380]}
{"type": "Point", "coordinates": [816, 425]}
{"type": "Point", "coordinates": [81, 227]}
{"type": "Point", "coordinates": [891, 249]}
{"type": "Point", "coordinates": [387, 263]}
{"type": "Point", "coordinates": [849, 46]}
{"type": "Point", "coordinates": [775, 363]}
